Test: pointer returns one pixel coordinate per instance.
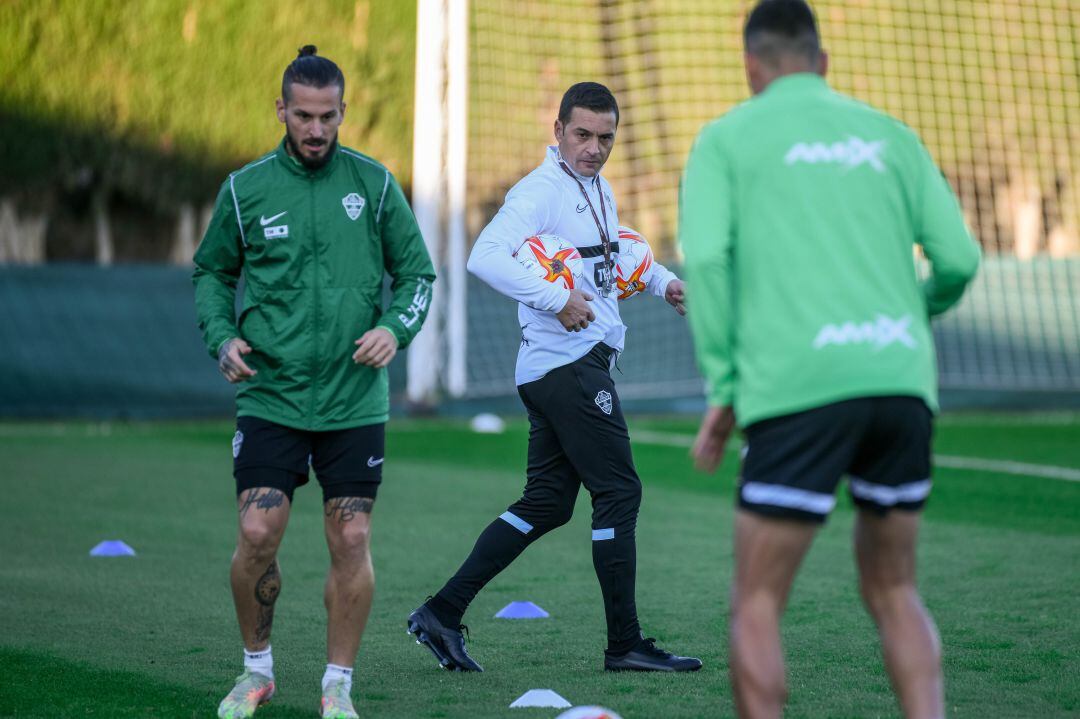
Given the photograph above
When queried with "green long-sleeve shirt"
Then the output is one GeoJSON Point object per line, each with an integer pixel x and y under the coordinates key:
{"type": "Point", "coordinates": [799, 211]}
{"type": "Point", "coordinates": [313, 247]}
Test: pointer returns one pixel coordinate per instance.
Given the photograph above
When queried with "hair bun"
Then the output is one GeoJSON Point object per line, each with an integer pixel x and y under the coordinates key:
{"type": "Point", "coordinates": [307, 50]}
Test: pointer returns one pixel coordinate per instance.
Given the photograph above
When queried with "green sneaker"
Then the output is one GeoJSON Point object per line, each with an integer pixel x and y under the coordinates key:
{"type": "Point", "coordinates": [336, 703]}
{"type": "Point", "coordinates": [252, 689]}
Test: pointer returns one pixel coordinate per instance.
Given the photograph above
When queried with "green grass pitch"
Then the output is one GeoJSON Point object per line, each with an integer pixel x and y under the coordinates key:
{"type": "Point", "coordinates": [155, 635]}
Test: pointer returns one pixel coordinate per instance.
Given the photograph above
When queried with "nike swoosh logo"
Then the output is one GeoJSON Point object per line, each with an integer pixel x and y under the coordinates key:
{"type": "Point", "coordinates": [372, 462]}
{"type": "Point", "coordinates": [264, 221]}
{"type": "Point", "coordinates": [582, 208]}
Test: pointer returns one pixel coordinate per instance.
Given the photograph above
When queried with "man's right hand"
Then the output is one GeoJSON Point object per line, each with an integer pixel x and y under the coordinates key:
{"type": "Point", "coordinates": [231, 362]}
{"type": "Point", "coordinates": [712, 438]}
{"type": "Point", "coordinates": [575, 314]}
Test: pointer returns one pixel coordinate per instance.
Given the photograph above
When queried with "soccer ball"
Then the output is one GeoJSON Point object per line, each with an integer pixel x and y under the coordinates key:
{"type": "Point", "coordinates": [588, 713]}
{"type": "Point", "coordinates": [552, 259]}
{"type": "Point", "coordinates": [634, 268]}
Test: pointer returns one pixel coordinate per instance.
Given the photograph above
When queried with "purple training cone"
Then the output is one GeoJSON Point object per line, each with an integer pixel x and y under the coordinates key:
{"type": "Point", "coordinates": [521, 610]}
{"type": "Point", "coordinates": [112, 548]}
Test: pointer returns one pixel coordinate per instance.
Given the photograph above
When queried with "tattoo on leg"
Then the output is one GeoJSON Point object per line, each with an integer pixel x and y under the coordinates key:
{"type": "Point", "coordinates": [346, 507]}
{"type": "Point", "coordinates": [266, 593]}
{"type": "Point", "coordinates": [267, 501]}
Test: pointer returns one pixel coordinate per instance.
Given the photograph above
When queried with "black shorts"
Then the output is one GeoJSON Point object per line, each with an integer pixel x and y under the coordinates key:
{"type": "Point", "coordinates": [792, 464]}
{"type": "Point", "coordinates": [347, 462]}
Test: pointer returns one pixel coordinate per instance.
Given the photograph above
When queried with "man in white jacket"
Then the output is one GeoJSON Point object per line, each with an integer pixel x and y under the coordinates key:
{"type": "Point", "coordinates": [570, 340]}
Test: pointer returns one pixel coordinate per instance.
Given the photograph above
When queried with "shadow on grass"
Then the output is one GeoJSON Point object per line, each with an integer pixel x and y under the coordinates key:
{"type": "Point", "coordinates": [43, 685]}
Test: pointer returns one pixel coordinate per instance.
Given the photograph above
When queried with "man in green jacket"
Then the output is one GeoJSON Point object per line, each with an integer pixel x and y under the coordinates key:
{"type": "Point", "coordinates": [312, 227]}
{"type": "Point", "coordinates": [800, 209]}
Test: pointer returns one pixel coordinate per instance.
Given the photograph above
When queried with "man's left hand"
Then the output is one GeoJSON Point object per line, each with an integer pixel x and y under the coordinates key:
{"type": "Point", "coordinates": [675, 294]}
{"type": "Point", "coordinates": [713, 436]}
{"type": "Point", "coordinates": [375, 348]}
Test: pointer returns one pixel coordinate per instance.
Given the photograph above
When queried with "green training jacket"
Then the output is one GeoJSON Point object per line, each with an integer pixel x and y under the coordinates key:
{"type": "Point", "coordinates": [312, 247]}
{"type": "Point", "coordinates": [799, 212]}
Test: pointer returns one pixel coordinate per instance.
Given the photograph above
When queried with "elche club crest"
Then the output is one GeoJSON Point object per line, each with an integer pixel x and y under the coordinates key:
{"type": "Point", "coordinates": [603, 401]}
{"type": "Point", "coordinates": [354, 205]}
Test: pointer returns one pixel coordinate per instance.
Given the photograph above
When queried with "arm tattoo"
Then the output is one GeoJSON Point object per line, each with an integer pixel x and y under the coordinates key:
{"type": "Point", "coordinates": [266, 593]}
{"type": "Point", "coordinates": [346, 507]}
{"type": "Point", "coordinates": [225, 362]}
{"type": "Point", "coordinates": [269, 500]}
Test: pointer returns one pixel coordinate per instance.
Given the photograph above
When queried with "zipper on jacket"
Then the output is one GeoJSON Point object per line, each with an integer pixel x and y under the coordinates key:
{"type": "Point", "coordinates": [315, 298]}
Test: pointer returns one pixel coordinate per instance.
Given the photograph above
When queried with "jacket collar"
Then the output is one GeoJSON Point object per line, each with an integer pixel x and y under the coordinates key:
{"type": "Point", "coordinates": [297, 167]}
{"type": "Point", "coordinates": [554, 157]}
{"type": "Point", "coordinates": [799, 82]}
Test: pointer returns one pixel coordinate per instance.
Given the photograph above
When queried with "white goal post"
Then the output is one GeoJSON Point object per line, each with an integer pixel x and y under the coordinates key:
{"type": "Point", "coordinates": [436, 357]}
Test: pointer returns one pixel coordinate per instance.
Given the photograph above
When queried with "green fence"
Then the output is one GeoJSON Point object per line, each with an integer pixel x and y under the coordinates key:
{"type": "Point", "coordinates": [1017, 330]}
{"type": "Point", "coordinates": [79, 341]}
{"type": "Point", "coordinates": [82, 341]}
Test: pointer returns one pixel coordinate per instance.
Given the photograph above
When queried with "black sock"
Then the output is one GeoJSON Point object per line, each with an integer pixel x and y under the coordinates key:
{"type": "Point", "coordinates": [497, 546]}
{"type": "Point", "coordinates": [615, 561]}
{"type": "Point", "coordinates": [447, 614]}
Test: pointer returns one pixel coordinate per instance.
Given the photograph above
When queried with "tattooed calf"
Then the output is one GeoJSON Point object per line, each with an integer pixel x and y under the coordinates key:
{"type": "Point", "coordinates": [267, 590]}
{"type": "Point", "coordinates": [346, 507]}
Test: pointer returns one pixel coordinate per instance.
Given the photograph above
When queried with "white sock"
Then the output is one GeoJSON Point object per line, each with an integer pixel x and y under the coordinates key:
{"type": "Point", "coordinates": [335, 673]}
{"type": "Point", "coordinates": [261, 662]}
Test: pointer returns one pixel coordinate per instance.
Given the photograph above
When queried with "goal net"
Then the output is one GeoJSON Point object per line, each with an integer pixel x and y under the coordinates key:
{"type": "Point", "coordinates": [990, 85]}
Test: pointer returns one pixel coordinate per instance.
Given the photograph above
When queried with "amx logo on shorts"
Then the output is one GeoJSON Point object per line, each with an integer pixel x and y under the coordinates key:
{"type": "Point", "coordinates": [852, 153]}
{"type": "Point", "coordinates": [882, 332]}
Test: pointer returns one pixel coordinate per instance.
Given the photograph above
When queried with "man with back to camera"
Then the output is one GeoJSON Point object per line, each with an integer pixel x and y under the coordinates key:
{"type": "Point", "coordinates": [577, 434]}
{"type": "Point", "coordinates": [312, 226]}
{"type": "Point", "coordinates": [798, 215]}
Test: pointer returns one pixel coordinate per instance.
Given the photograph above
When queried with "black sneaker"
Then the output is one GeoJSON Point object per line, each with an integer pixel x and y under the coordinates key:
{"type": "Point", "coordinates": [446, 644]}
{"type": "Point", "coordinates": [647, 657]}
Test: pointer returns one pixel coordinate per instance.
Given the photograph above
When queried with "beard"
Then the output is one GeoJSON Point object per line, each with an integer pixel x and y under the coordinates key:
{"type": "Point", "coordinates": [311, 163]}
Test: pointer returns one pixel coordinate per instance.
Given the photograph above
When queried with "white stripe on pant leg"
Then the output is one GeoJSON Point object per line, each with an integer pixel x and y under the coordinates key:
{"type": "Point", "coordinates": [599, 535]}
{"type": "Point", "coordinates": [778, 495]}
{"type": "Point", "coordinates": [887, 495]}
{"type": "Point", "coordinates": [516, 522]}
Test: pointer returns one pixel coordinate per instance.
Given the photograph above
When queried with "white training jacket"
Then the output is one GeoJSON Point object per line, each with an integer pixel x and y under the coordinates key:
{"type": "Point", "coordinates": [548, 202]}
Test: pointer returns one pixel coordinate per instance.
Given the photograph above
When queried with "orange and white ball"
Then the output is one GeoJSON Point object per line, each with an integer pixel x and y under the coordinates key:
{"type": "Point", "coordinates": [634, 268]}
{"type": "Point", "coordinates": [552, 259]}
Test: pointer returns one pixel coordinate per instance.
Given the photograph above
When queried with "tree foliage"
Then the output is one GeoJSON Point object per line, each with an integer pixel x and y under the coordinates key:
{"type": "Point", "coordinates": [157, 100]}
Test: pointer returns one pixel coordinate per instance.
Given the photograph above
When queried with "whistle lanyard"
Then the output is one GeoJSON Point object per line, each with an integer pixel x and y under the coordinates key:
{"type": "Point", "coordinates": [605, 240]}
